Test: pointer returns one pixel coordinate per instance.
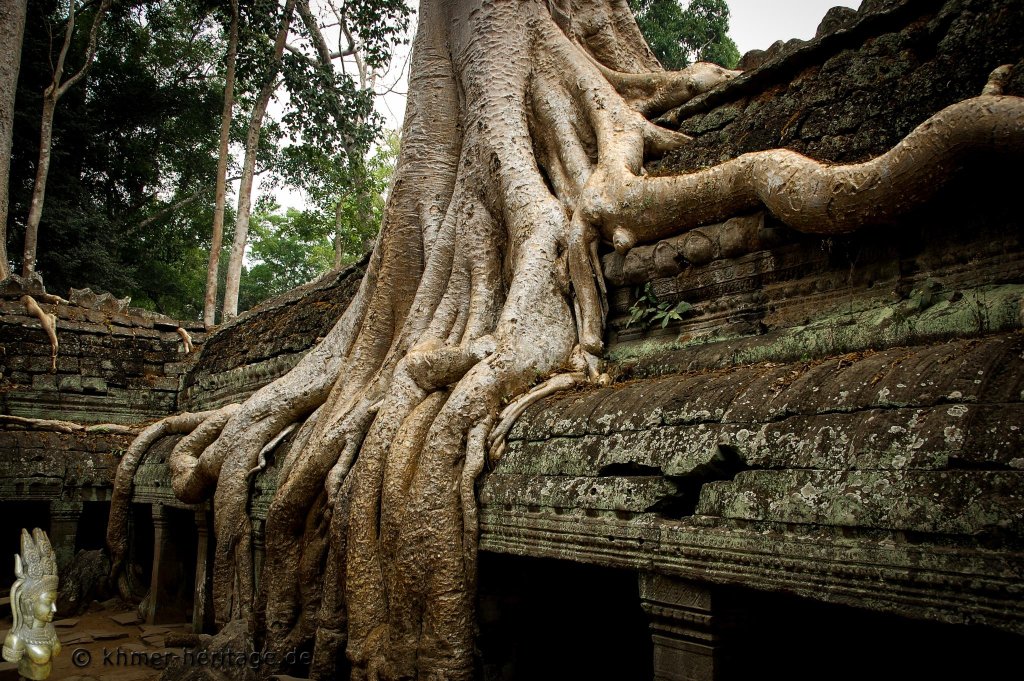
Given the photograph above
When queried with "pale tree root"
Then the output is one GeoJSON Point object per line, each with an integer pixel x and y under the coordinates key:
{"type": "Point", "coordinates": [120, 500]}
{"type": "Point", "coordinates": [813, 197]}
{"type": "Point", "coordinates": [48, 322]}
{"type": "Point", "coordinates": [186, 340]}
{"type": "Point", "coordinates": [70, 427]}
{"type": "Point", "coordinates": [511, 413]}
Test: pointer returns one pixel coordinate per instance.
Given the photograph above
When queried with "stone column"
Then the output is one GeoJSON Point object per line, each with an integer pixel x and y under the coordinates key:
{"type": "Point", "coordinates": [259, 547]}
{"type": "Point", "coordinates": [64, 517]}
{"type": "Point", "coordinates": [202, 588]}
{"type": "Point", "coordinates": [690, 626]}
{"type": "Point", "coordinates": [165, 580]}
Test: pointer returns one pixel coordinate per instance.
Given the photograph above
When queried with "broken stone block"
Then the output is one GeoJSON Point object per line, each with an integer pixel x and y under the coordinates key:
{"type": "Point", "coordinates": [94, 384]}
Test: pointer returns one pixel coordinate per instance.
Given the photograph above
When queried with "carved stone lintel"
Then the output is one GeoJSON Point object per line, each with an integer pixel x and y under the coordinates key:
{"type": "Point", "coordinates": [690, 626]}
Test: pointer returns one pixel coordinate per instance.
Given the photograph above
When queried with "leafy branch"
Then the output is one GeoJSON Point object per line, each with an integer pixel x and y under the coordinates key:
{"type": "Point", "coordinates": [648, 310]}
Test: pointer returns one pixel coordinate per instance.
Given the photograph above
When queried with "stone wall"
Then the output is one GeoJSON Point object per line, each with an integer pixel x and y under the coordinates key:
{"type": "Point", "coordinates": [265, 342]}
{"type": "Point", "coordinates": [835, 418]}
{"type": "Point", "coordinates": [114, 364]}
{"type": "Point", "coordinates": [852, 94]}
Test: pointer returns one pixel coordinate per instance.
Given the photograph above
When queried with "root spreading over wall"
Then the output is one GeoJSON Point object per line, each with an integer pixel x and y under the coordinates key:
{"type": "Point", "coordinates": [523, 150]}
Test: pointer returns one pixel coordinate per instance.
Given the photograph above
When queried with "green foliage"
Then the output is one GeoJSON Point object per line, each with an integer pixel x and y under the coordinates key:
{"type": "Point", "coordinates": [287, 249]}
{"type": "Point", "coordinates": [679, 36]}
{"type": "Point", "coordinates": [130, 198]}
{"type": "Point", "coordinates": [648, 310]}
{"type": "Point", "coordinates": [290, 247]}
{"type": "Point", "coordinates": [136, 136]}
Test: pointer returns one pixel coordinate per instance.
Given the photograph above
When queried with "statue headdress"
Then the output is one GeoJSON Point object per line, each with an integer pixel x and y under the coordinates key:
{"type": "Point", "coordinates": [36, 567]}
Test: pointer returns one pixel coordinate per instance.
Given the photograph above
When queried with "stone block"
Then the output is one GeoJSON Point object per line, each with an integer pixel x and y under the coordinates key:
{"type": "Point", "coordinates": [44, 382]}
{"type": "Point", "coordinates": [66, 363]}
{"type": "Point", "coordinates": [71, 384]}
{"type": "Point", "coordinates": [94, 384]}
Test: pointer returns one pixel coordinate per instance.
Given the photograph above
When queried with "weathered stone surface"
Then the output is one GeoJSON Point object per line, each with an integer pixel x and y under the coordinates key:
{"type": "Point", "coordinates": [84, 581]}
{"type": "Point", "coordinates": [851, 102]}
{"type": "Point", "coordinates": [941, 502]}
{"type": "Point", "coordinates": [109, 368]}
{"type": "Point", "coordinates": [265, 342]}
{"type": "Point", "coordinates": [609, 494]}
{"type": "Point", "coordinates": [38, 464]}
{"type": "Point", "coordinates": [955, 581]}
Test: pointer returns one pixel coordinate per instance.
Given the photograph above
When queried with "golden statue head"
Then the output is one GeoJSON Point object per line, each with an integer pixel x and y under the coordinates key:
{"type": "Point", "coordinates": [32, 641]}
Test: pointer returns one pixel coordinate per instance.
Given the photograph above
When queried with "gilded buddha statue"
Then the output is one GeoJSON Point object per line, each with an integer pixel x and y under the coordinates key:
{"type": "Point", "coordinates": [32, 641]}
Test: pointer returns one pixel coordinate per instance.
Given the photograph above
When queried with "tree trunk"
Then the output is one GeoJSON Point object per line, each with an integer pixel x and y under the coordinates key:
{"type": "Point", "coordinates": [339, 242]}
{"type": "Point", "coordinates": [210, 300]}
{"type": "Point", "coordinates": [234, 275]}
{"type": "Point", "coordinates": [523, 146]}
{"type": "Point", "coordinates": [51, 96]}
{"type": "Point", "coordinates": [35, 211]}
{"type": "Point", "coordinates": [12, 32]}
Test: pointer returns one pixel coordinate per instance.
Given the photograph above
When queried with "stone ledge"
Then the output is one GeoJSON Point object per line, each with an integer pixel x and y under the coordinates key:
{"type": "Point", "coordinates": [963, 584]}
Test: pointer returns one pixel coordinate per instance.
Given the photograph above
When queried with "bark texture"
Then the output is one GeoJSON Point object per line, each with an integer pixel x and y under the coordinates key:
{"type": "Point", "coordinates": [217, 235]}
{"type": "Point", "coordinates": [252, 139]}
{"type": "Point", "coordinates": [524, 146]}
{"type": "Point", "coordinates": [12, 31]}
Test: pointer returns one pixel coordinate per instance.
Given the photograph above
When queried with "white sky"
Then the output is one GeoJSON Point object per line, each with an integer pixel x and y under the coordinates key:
{"type": "Point", "coordinates": [754, 24]}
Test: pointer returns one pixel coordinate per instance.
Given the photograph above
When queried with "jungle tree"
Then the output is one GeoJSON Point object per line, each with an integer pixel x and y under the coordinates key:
{"type": "Point", "coordinates": [12, 28]}
{"type": "Point", "coordinates": [328, 110]}
{"type": "Point", "coordinates": [57, 88]}
{"type": "Point", "coordinates": [525, 138]}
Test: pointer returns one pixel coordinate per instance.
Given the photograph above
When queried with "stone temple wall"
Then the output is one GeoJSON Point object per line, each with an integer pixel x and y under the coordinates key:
{"type": "Point", "coordinates": [835, 418]}
{"type": "Point", "coordinates": [114, 364]}
{"type": "Point", "coordinates": [265, 342]}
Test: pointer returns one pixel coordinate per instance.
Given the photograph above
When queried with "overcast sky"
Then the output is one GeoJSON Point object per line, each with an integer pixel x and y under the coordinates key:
{"type": "Point", "coordinates": [756, 24]}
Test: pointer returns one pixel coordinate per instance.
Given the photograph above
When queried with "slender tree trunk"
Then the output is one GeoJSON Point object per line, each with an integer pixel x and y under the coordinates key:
{"type": "Point", "coordinates": [51, 96]}
{"type": "Point", "coordinates": [339, 249]}
{"type": "Point", "coordinates": [210, 302]}
{"type": "Point", "coordinates": [12, 32]}
{"type": "Point", "coordinates": [35, 211]}
{"type": "Point", "coordinates": [230, 309]}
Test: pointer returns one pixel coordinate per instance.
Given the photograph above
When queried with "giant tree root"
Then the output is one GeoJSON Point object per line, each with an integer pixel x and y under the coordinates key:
{"type": "Point", "coordinates": [523, 150]}
{"type": "Point", "coordinates": [120, 500]}
{"type": "Point", "coordinates": [56, 426]}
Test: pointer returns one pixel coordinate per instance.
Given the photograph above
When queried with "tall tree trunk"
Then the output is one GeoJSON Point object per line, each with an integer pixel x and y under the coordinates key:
{"type": "Point", "coordinates": [339, 242]}
{"type": "Point", "coordinates": [210, 301]}
{"type": "Point", "coordinates": [234, 275]}
{"type": "Point", "coordinates": [12, 32]}
{"type": "Point", "coordinates": [35, 211]}
{"type": "Point", "coordinates": [523, 147]}
{"type": "Point", "coordinates": [51, 96]}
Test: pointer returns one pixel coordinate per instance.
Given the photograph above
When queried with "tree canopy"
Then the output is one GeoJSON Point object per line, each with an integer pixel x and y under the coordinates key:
{"type": "Point", "coordinates": [135, 145]}
{"type": "Point", "coordinates": [680, 35]}
{"type": "Point", "coordinates": [129, 142]}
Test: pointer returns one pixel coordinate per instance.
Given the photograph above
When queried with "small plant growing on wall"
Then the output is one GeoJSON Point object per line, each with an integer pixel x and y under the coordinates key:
{"type": "Point", "coordinates": [648, 310]}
